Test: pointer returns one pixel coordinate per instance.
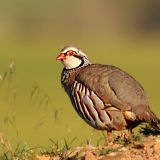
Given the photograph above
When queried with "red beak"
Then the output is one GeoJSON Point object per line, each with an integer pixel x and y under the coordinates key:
{"type": "Point", "coordinates": [61, 57]}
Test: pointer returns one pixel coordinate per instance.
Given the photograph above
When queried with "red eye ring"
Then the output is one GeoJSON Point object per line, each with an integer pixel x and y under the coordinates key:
{"type": "Point", "coordinates": [70, 53]}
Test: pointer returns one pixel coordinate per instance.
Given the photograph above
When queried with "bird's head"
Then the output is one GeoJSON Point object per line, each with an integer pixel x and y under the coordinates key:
{"type": "Point", "coordinates": [72, 57]}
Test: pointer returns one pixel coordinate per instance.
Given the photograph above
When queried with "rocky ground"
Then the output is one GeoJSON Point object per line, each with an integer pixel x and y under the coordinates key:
{"type": "Point", "coordinates": [148, 148]}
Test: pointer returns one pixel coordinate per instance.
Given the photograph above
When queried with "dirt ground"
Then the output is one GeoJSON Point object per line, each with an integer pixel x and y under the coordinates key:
{"type": "Point", "coordinates": [146, 149]}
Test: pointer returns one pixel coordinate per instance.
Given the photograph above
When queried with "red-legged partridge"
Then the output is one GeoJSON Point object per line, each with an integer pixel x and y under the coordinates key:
{"type": "Point", "coordinates": [104, 96]}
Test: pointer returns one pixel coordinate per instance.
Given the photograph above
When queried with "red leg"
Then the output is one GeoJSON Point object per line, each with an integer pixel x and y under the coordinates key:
{"type": "Point", "coordinates": [109, 138]}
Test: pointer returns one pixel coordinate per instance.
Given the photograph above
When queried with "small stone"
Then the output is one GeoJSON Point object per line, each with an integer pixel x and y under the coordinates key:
{"type": "Point", "coordinates": [157, 147]}
{"type": "Point", "coordinates": [90, 156]}
{"type": "Point", "coordinates": [148, 144]}
{"type": "Point", "coordinates": [44, 157]}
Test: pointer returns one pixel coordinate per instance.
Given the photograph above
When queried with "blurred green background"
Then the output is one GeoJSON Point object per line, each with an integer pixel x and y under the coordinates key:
{"type": "Point", "coordinates": [33, 106]}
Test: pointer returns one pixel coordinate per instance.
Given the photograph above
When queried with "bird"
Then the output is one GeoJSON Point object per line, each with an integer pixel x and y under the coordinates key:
{"type": "Point", "coordinates": [104, 96]}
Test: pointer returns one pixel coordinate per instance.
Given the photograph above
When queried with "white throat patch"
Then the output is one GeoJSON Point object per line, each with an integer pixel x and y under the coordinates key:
{"type": "Point", "coordinates": [71, 62]}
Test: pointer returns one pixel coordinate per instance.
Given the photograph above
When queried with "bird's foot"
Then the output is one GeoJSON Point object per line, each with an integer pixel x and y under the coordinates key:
{"type": "Point", "coordinates": [109, 139]}
{"type": "Point", "coordinates": [123, 138]}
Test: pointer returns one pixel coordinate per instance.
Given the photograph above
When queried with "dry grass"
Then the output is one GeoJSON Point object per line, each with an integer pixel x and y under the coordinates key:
{"type": "Point", "coordinates": [40, 99]}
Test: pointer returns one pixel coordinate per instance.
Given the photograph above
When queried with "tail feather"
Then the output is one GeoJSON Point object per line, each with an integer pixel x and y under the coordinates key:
{"type": "Point", "coordinates": [155, 121]}
{"type": "Point", "coordinates": [144, 114]}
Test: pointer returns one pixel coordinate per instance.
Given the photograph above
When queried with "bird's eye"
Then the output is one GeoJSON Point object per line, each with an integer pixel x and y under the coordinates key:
{"type": "Point", "coordinates": [70, 53]}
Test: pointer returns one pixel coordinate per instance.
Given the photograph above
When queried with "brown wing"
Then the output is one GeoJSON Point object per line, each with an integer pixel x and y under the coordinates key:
{"type": "Point", "coordinates": [113, 86]}
{"type": "Point", "coordinates": [127, 89]}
